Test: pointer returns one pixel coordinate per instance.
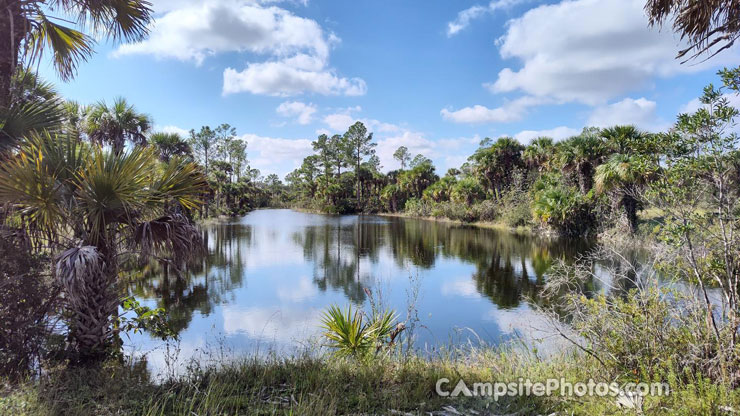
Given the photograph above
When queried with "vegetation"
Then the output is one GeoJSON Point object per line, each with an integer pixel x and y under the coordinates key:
{"type": "Point", "coordinates": [89, 193]}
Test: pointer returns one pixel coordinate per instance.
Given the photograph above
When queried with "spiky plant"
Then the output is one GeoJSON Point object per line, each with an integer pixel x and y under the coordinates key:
{"type": "Point", "coordinates": [351, 333]}
{"type": "Point", "coordinates": [98, 208]}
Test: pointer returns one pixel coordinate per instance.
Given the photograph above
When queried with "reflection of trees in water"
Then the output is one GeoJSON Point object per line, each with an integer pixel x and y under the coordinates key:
{"type": "Point", "coordinates": [335, 251]}
{"type": "Point", "coordinates": [508, 266]}
{"type": "Point", "coordinates": [205, 282]}
{"type": "Point", "coordinates": [495, 254]}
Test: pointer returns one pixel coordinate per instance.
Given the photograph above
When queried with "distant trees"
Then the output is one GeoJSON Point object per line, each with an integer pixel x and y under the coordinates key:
{"type": "Point", "coordinates": [402, 156]}
{"type": "Point", "coordinates": [169, 145]}
{"type": "Point", "coordinates": [339, 161]}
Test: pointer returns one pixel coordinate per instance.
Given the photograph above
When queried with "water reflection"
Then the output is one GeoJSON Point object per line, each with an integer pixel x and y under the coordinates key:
{"type": "Point", "coordinates": [267, 277]}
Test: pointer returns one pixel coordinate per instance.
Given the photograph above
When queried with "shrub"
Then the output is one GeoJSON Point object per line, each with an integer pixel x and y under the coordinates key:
{"type": "Point", "coordinates": [467, 191]}
{"type": "Point", "coordinates": [486, 210]}
{"type": "Point", "coordinates": [352, 333]}
{"type": "Point", "coordinates": [27, 299]}
{"type": "Point", "coordinates": [561, 208]}
{"type": "Point", "coordinates": [418, 207]}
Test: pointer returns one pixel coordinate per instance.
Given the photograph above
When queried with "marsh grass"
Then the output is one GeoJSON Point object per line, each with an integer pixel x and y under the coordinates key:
{"type": "Point", "coordinates": [328, 385]}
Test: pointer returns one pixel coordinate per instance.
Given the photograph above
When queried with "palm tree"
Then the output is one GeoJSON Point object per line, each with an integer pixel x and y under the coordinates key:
{"type": "Point", "coordinates": [28, 31]}
{"type": "Point", "coordinates": [709, 26]}
{"type": "Point", "coordinates": [74, 120]}
{"type": "Point", "coordinates": [37, 107]}
{"type": "Point", "coordinates": [581, 154]}
{"type": "Point", "coordinates": [495, 163]}
{"type": "Point", "coordinates": [538, 153]}
{"type": "Point", "coordinates": [623, 139]}
{"type": "Point", "coordinates": [98, 208]}
{"type": "Point", "coordinates": [116, 124]}
{"type": "Point", "coordinates": [169, 145]}
{"type": "Point", "coordinates": [622, 176]}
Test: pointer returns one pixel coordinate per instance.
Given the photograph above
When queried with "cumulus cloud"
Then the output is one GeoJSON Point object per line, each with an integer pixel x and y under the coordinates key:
{"type": "Point", "coordinates": [276, 155]}
{"type": "Point", "coordinates": [340, 120]}
{"type": "Point", "coordinates": [696, 104]}
{"type": "Point", "coordinates": [280, 78]}
{"type": "Point", "coordinates": [198, 30]}
{"type": "Point", "coordinates": [587, 51]}
{"type": "Point", "coordinates": [174, 129]}
{"type": "Point", "coordinates": [297, 48]}
{"type": "Point", "coordinates": [639, 112]}
{"type": "Point", "coordinates": [464, 17]}
{"type": "Point", "coordinates": [513, 110]}
{"type": "Point", "coordinates": [302, 111]}
{"type": "Point", "coordinates": [450, 151]}
{"type": "Point", "coordinates": [557, 133]}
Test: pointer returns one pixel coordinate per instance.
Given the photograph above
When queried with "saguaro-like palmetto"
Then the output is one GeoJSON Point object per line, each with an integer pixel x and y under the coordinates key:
{"type": "Point", "coordinates": [28, 31]}
{"type": "Point", "coordinates": [117, 123]}
{"type": "Point", "coordinates": [93, 209]}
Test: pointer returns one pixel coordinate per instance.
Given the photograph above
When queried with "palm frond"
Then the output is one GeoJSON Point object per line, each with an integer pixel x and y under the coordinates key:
{"type": "Point", "coordinates": [126, 20]}
{"type": "Point", "coordinates": [171, 236]}
{"type": "Point", "coordinates": [69, 46]}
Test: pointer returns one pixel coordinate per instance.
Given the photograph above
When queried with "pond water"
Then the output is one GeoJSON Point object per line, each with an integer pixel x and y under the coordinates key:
{"type": "Point", "coordinates": [269, 275]}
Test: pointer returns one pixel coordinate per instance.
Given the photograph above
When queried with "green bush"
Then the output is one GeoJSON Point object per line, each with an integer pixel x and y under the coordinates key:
{"type": "Point", "coordinates": [486, 211]}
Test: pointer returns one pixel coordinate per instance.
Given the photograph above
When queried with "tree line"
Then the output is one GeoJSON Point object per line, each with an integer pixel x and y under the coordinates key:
{"type": "Point", "coordinates": [570, 187]}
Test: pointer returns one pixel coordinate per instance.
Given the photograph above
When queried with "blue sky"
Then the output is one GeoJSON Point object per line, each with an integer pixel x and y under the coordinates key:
{"type": "Point", "coordinates": [436, 76]}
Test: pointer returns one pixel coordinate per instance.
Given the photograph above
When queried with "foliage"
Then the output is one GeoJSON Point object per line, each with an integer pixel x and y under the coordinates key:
{"type": "Point", "coordinates": [352, 333]}
{"type": "Point", "coordinates": [710, 26]}
{"type": "Point", "coordinates": [28, 302]}
{"type": "Point", "coordinates": [116, 124]}
{"type": "Point", "coordinates": [561, 208]}
{"type": "Point", "coordinates": [105, 201]}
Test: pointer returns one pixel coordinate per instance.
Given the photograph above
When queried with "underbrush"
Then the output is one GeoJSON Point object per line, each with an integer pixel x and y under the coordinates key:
{"type": "Point", "coordinates": [326, 385]}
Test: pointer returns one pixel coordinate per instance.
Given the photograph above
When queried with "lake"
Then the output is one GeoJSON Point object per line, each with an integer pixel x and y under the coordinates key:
{"type": "Point", "coordinates": [268, 276]}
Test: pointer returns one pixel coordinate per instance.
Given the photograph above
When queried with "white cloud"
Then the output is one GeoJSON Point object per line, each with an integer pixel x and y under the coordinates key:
{"type": "Point", "coordinates": [282, 325]}
{"type": "Point", "coordinates": [696, 104]}
{"type": "Point", "coordinates": [639, 112]}
{"type": "Point", "coordinates": [464, 17]}
{"type": "Point", "coordinates": [174, 129]}
{"type": "Point", "coordinates": [280, 78]}
{"type": "Point", "coordinates": [198, 30]}
{"type": "Point", "coordinates": [276, 155]}
{"type": "Point", "coordinates": [450, 151]}
{"type": "Point", "coordinates": [339, 122]}
{"type": "Point", "coordinates": [588, 51]}
{"type": "Point", "coordinates": [558, 133]}
{"type": "Point", "coordinates": [297, 48]}
{"type": "Point", "coordinates": [463, 287]}
{"type": "Point", "coordinates": [511, 111]}
{"type": "Point", "coordinates": [302, 111]}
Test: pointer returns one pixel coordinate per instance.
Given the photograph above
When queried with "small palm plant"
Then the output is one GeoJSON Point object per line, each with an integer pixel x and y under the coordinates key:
{"type": "Point", "coordinates": [352, 333]}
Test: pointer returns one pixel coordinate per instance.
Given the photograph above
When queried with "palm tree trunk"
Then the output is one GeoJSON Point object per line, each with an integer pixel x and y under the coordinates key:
{"type": "Point", "coordinates": [630, 209]}
{"type": "Point", "coordinates": [585, 177]}
{"type": "Point", "coordinates": [11, 33]}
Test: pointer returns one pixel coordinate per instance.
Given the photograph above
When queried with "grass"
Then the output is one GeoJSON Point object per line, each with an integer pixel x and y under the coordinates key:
{"type": "Point", "coordinates": [306, 385]}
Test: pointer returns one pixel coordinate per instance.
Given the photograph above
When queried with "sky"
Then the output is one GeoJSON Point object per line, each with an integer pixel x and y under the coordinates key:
{"type": "Point", "coordinates": [436, 76]}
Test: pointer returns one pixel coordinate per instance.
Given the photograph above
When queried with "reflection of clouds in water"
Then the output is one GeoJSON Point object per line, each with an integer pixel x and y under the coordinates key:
{"type": "Point", "coordinates": [530, 326]}
{"type": "Point", "coordinates": [303, 289]}
{"type": "Point", "coordinates": [284, 325]}
{"type": "Point", "coordinates": [462, 286]}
